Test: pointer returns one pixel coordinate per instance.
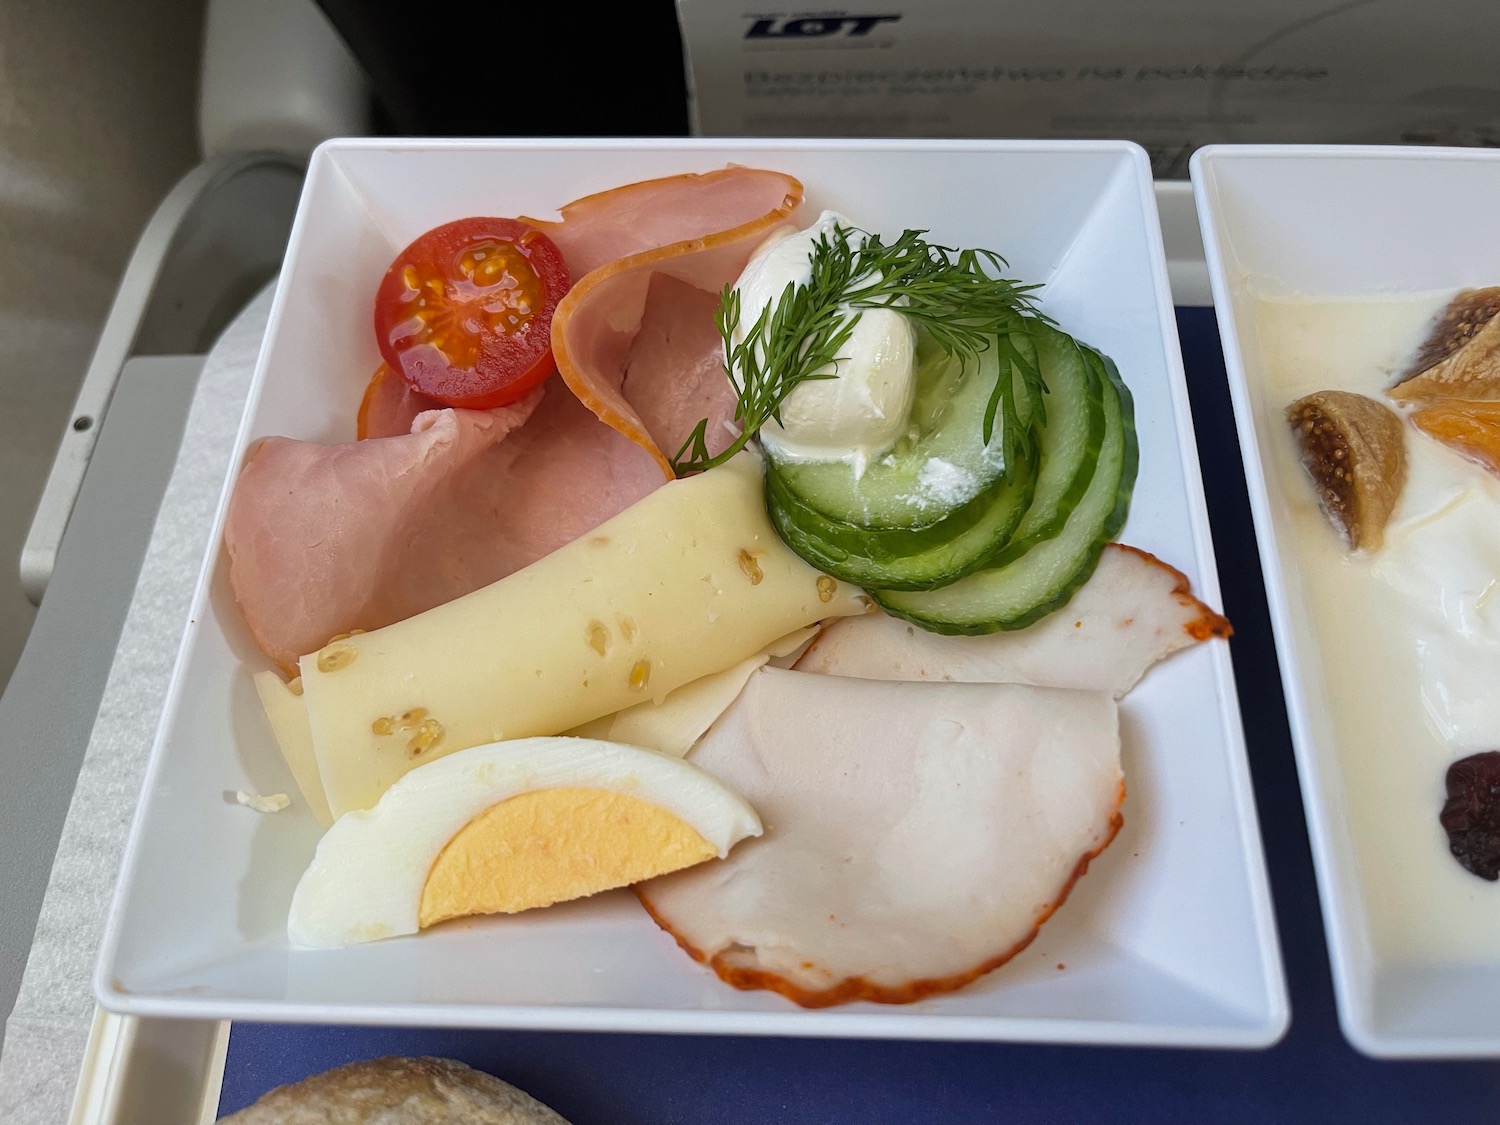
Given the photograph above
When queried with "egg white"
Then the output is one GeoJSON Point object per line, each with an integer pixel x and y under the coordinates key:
{"type": "Point", "coordinates": [366, 880]}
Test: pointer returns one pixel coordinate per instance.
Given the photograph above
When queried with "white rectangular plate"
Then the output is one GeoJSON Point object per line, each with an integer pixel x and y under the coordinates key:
{"type": "Point", "coordinates": [1340, 222]}
{"type": "Point", "coordinates": [1168, 940]}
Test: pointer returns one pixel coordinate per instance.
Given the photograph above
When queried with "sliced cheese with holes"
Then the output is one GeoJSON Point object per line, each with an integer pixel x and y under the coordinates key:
{"type": "Point", "coordinates": [678, 721]}
{"type": "Point", "coordinates": [689, 581]}
{"type": "Point", "coordinates": [288, 719]}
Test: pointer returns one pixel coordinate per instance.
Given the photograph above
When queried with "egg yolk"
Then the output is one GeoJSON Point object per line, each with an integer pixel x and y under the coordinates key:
{"type": "Point", "coordinates": [551, 845]}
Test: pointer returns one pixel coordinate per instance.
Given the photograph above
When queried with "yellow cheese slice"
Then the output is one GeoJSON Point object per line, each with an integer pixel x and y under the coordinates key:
{"type": "Point", "coordinates": [787, 651]}
{"type": "Point", "coordinates": [288, 718]}
{"type": "Point", "coordinates": [675, 724]}
{"type": "Point", "coordinates": [689, 581]}
{"type": "Point", "coordinates": [553, 845]}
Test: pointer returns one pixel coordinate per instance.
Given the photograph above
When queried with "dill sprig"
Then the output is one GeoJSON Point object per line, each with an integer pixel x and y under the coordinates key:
{"type": "Point", "coordinates": [958, 296]}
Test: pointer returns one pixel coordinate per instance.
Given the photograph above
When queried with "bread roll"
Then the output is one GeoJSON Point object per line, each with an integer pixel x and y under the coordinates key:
{"type": "Point", "coordinates": [397, 1091]}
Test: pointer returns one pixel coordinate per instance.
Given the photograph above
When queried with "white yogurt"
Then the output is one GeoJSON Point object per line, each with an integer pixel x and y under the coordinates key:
{"type": "Point", "coordinates": [1408, 636]}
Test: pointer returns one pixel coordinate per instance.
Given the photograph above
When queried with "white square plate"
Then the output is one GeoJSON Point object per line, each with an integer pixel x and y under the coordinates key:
{"type": "Point", "coordinates": [1169, 939]}
{"type": "Point", "coordinates": [1347, 222]}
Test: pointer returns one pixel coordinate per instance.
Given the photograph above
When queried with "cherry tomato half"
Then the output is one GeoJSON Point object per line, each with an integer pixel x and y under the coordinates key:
{"type": "Point", "coordinates": [465, 312]}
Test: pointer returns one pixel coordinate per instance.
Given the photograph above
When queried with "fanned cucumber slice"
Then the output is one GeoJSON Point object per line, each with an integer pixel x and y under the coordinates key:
{"type": "Point", "coordinates": [941, 467]}
{"type": "Point", "coordinates": [1070, 441]}
{"type": "Point", "coordinates": [880, 543]}
{"type": "Point", "coordinates": [1042, 579]}
{"type": "Point", "coordinates": [891, 559]}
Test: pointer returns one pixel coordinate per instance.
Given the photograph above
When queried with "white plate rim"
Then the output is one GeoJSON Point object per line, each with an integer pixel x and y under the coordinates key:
{"type": "Point", "coordinates": [1332, 846]}
{"type": "Point", "coordinates": [890, 1024]}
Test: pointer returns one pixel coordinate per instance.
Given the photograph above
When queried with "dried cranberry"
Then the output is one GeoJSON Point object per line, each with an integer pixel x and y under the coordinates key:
{"type": "Point", "coordinates": [1472, 813]}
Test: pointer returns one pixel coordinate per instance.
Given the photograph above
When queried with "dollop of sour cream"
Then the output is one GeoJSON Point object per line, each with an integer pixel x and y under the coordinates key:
{"type": "Point", "coordinates": [858, 415]}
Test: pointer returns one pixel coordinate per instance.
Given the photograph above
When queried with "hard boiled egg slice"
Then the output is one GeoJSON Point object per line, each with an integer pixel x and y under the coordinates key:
{"type": "Point", "coordinates": [507, 827]}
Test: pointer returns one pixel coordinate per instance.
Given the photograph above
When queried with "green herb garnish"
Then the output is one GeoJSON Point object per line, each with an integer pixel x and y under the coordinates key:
{"type": "Point", "coordinates": [956, 295]}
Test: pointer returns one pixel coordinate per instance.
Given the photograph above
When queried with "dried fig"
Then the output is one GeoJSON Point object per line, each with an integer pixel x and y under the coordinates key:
{"type": "Point", "coordinates": [1461, 356]}
{"type": "Point", "coordinates": [1353, 448]}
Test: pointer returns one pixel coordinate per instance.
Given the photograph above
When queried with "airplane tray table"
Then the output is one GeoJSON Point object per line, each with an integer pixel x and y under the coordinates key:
{"type": "Point", "coordinates": [1311, 1076]}
{"type": "Point", "coordinates": [147, 1071]}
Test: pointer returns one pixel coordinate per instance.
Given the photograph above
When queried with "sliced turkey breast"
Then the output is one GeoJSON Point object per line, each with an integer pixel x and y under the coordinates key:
{"type": "Point", "coordinates": [917, 834]}
{"type": "Point", "coordinates": [1133, 611]}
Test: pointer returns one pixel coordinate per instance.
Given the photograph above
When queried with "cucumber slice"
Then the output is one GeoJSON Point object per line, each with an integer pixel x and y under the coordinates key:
{"type": "Point", "coordinates": [940, 466]}
{"type": "Point", "coordinates": [890, 559]}
{"type": "Point", "coordinates": [879, 543]}
{"type": "Point", "coordinates": [1070, 440]}
{"type": "Point", "coordinates": [1042, 579]}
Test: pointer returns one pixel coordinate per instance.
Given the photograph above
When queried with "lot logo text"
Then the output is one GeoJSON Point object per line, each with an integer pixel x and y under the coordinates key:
{"type": "Point", "coordinates": [816, 26]}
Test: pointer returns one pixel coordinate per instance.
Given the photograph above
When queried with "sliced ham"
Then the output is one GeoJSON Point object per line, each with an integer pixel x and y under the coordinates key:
{"type": "Point", "coordinates": [390, 406]}
{"type": "Point", "coordinates": [1134, 611]}
{"type": "Point", "coordinates": [917, 834]}
{"type": "Point", "coordinates": [324, 539]}
{"type": "Point", "coordinates": [603, 228]}
{"type": "Point", "coordinates": [635, 337]}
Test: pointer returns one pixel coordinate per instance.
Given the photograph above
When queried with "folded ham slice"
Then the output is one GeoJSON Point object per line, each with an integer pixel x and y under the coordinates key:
{"type": "Point", "coordinates": [635, 338]}
{"type": "Point", "coordinates": [917, 835]}
{"type": "Point", "coordinates": [390, 406]}
{"type": "Point", "coordinates": [667, 213]}
{"type": "Point", "coordinates": [1133, 611]}
{"type": "Point", "coordinates": [324, 539]}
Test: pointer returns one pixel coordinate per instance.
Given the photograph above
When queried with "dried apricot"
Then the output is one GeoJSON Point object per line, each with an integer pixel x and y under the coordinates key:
{"type": "Point", "coordinates": [1469, 428]}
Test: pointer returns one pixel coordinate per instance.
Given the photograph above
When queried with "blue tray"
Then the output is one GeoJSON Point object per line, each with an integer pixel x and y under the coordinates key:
{"type": "Point", "coordinates": [1313, 1076]}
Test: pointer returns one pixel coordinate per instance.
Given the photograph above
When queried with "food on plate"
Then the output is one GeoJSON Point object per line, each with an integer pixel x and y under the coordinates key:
{"type": "Point", "coordinates": [635, 339]}
{"type": "Point", "coordinates": [306, 552]}
{"type": "Point", "coordinates": [397, 1091]}
{"type": "Point", "coordinates": [507, 827]}
{"type": "Point", "coordinates": [1409, 629]}
{"type": "Point", "coordinates": [675, 724]}
{"type": "Point", "coordinates": [1460, 359]}
{"type": "Point", "coordinates": [285, 711]}
{"type": "Point", "coordinates": [1471, 814]}
{"type": "Point", "coordinates": [821, 305]}
{"type": "Point", "coordinates": [853, 401]}
{"type": "Point", "coordinates": [1438, 572]}
{"type": "Point", "coordinates": [389, 406]}
{"type": "Point", "coordinates": [928, 435]}
{"type": "Point", "coordinates": [1134, 611]}
{"type": "Point", "coordinates": [1029, 579]}
{"type": "Point", "coordinates": [1354, 449]}
{"type": "Point", "coordinates": [669, 726]}
{"type": "Point", "coordinates": [464, 313]}
{"type": "Point", "coordinates": [1465, 426]}
{"type": "Point", "coordinates": [1455, 379]}
{"type": "Point", "coordinates": [917, 834]}
{"type": "Point", "coordinates": [532, 632]}
{"type": "Point", "coordinates": [1458, 322]}
{"type": "Point", "coordinates": [324, 539]}
{"type": "Point", "coordinates": [262, 802]}
{"type": "Point", "coordinates": [686, 582]}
